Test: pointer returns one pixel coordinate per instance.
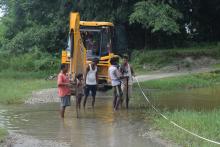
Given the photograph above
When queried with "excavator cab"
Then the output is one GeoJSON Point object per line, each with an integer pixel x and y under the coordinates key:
{"type": "Point", "coordinates": [88, 40]}
{"type": "Point", "coordinates": [97, 41]}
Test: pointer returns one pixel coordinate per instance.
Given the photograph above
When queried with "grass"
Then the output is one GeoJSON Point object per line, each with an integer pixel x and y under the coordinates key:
{"type": "Point", "coordinates": [216, 65]}
{"type": "Point", "coordinates": [184, 82]}
{"type": "Point", "coordinates": [3, 134]}
{"type": "Point", "coordinates": [206, 124]}
{"type": "Point", "coordinates": [148, 60]}
{"type": "Point", "coordinates": [11, 74]}
{"type": "Point", "coordinates": [17, 86]}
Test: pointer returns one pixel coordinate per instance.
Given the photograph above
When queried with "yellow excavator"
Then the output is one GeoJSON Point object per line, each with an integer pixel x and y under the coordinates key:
{"type": "Point", "coordinates": [88, 40]}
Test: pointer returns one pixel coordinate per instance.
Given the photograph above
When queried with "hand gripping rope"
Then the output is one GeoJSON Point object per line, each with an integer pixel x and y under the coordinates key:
{"type": "Point", "coordinates": [170, 121]}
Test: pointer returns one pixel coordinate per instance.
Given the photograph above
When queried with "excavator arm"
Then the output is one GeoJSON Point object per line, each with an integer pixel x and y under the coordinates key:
{"type": "Point", "coordinates": [78, 51]}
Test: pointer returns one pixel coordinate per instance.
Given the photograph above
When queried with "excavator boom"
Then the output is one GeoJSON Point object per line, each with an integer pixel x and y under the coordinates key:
{"type": "Point", "coordinates": [78, 51]}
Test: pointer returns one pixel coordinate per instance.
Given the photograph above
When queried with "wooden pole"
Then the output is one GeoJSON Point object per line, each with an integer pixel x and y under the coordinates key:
{"type": "Point", "coordinates": [127, 97]}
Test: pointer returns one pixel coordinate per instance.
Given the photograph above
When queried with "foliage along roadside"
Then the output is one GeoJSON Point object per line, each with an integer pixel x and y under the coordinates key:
{"type": "Point", "coordinates": [3, 134]}
{"type": "Point", "coordinates": [17, 90]}
{"type": "Point", "coordinates": [147, 60]}
{"type": "Point", "coordinates": [184, 82]}
{"type": "Point", "coordinates": [36, 61]}
{"type": "Point", "coordinates": [44, 24]}
{"type": "Point", "coordinates": [204, 122]}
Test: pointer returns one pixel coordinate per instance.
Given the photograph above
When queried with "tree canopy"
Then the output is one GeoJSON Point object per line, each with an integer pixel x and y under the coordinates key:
{"type": "Point", "coordinates": [42, 25]}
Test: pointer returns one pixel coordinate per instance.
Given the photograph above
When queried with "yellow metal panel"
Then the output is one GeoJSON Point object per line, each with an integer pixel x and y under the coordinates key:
{"type": "Point", "coordinates": [64, 59]}
{"type": "Point", "coordinates": [79, 53]}
{"type": "Point", "coordinates": [95, 23]}
{"type": "Point", "coordinates": [74, 21]}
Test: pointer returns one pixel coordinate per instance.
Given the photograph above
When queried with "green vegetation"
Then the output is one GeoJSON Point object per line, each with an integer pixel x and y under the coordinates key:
{"type": "Point", "coordinates": [22, 74]}
{"type": "Point", "coordinates": [205, 123]}
{"type": "Point", "coordinates": [184, 82]}
{"type": "Point", "coordinates": [33, 32]}
{"type": "Point", "coordinates": [155, 15]}
{"type": "Point", "coordinates": [3, 134]}
{"type": "Point", "coordinates": [16, 90]}
{"type": "Point", "coordinates": [35, 61]}
{"type": "Point", "coordinates": [149, 60]}
{"type": "Point", "coordinates": [43, 24]}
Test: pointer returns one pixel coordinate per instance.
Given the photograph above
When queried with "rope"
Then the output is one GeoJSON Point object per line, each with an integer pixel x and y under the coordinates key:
{"type": "Point", "coordinates": [172, 122]}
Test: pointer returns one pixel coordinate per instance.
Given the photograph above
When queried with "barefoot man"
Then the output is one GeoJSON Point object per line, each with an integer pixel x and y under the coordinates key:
{"type": "Point", "coordinates": [128, 74]}
{"type": "Point", "coordinates": [91, 81]}
{"type": "Point", "coordinates": [115, 77]}
{"type": "Point", "coordinates": [64, 92]}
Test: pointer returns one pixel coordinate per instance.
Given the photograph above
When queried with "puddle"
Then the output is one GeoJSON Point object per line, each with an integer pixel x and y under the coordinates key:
{"type": "Point", "coordinates": [196, 99]}
{"type": "Point", "coordinates": [98, 128]}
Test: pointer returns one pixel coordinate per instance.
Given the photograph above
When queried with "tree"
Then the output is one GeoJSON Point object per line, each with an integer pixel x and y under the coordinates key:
{"type": "Point", "coordinates": [156, 16]}
{"type": "Point", "coordinates": [34, 24]}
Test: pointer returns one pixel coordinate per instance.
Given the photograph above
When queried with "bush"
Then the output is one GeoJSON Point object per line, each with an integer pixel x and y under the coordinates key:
{"type": "Point", "coordinates": [35, 61]}
{"type": "Point", "coordinates": [159, 58]}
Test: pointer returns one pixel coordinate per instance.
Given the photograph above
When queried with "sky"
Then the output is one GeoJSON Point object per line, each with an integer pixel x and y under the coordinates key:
{"type": "Point", "coordinates": [1, 13]}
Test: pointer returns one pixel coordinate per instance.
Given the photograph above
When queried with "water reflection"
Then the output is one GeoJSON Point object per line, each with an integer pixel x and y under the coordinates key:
{"type": "Point", "coordinates": [197, 99]}
{"type": "Point", "coordinates": [98, 128]}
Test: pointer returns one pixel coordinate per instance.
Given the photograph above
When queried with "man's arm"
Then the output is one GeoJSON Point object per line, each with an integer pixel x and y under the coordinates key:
{"type": "Point", "coordinates": [97, 77]}
{"type": "Point", "coordinates": [60, 82]}
{"type": "Point", "coordinates": [118, 74]}
{"type": "Point", "coordinates": [87, 70]}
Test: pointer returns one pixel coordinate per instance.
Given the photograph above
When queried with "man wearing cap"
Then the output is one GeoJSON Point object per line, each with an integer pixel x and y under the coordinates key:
{"type": "Point", "coordinates": [91, 78]}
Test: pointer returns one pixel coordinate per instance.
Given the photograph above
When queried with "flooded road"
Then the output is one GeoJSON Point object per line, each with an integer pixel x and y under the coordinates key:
{"type": "Point", "coordinates": [99, 128]}
{"type": "Point", "coordinates": [196, 99]}
{"type": "Point", "coordinates": [39, 124]}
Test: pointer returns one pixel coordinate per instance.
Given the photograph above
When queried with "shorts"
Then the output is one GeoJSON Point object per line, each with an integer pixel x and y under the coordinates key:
{"type": "Point", "coordinates": [91, 88]}
{"type": "Point", "coordinates": [80, 95]}
{"type": "Point", "coordinates": [65, 101]}
{"type": "Point", "coordinates": [117, 91]}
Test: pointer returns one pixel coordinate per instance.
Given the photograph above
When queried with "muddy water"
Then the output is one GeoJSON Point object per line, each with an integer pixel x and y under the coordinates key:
{"type": "Point", "coordinates": [40, 125]}
{"type": "Point", "coordinates": [197, 99]}
{"type": "Point", "coordinates": [99, 128]}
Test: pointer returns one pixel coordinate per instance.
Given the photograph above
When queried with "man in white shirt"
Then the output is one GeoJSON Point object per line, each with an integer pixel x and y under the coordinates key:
{"type": "Point", "coordinates": [91, 78]}
{"type": "Point", "coordinates": [115, 76]}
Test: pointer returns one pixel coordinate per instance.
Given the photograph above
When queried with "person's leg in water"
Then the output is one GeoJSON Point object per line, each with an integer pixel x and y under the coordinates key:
{"type": "Point", "coordinates": [119, 96]}
{"type": "Point", "coordinates": [93, 102]}
{"type": "Point", "coordinates": [87, 90]}
{"type": "Point", "coordinates": [118, 101]}
{"type": "Point", "coordinates": [123, 88]}
{"type": "Point", "coordinates": [93, 95]}
{"type": "Point", "coordinates": [114, 97]}
{"type": "Point", "coordinates": [77, 106]}
{"type": "Point", "coordinates": [65, 102]}
{"type": "Point", "coordinates": [84, 102]}
{"type": "Point", "coordinates": [79, 101]}
{"type": "Point", "coordinates": [62, 107]}
{"type": "Point", "coordinates": [62, 111]}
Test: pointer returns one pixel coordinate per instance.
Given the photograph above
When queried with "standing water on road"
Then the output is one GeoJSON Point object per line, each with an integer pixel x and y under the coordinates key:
{"type": "Point", "coordinates": [98, 128]}
{"type": "Point", "coordinates": [197, 99]}
{"type": "Point", "coordinates": [101, 127]}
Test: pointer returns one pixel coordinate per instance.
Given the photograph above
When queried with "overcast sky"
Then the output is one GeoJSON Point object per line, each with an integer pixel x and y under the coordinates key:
{"type": "Point", "coordinates": [1, 13]}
